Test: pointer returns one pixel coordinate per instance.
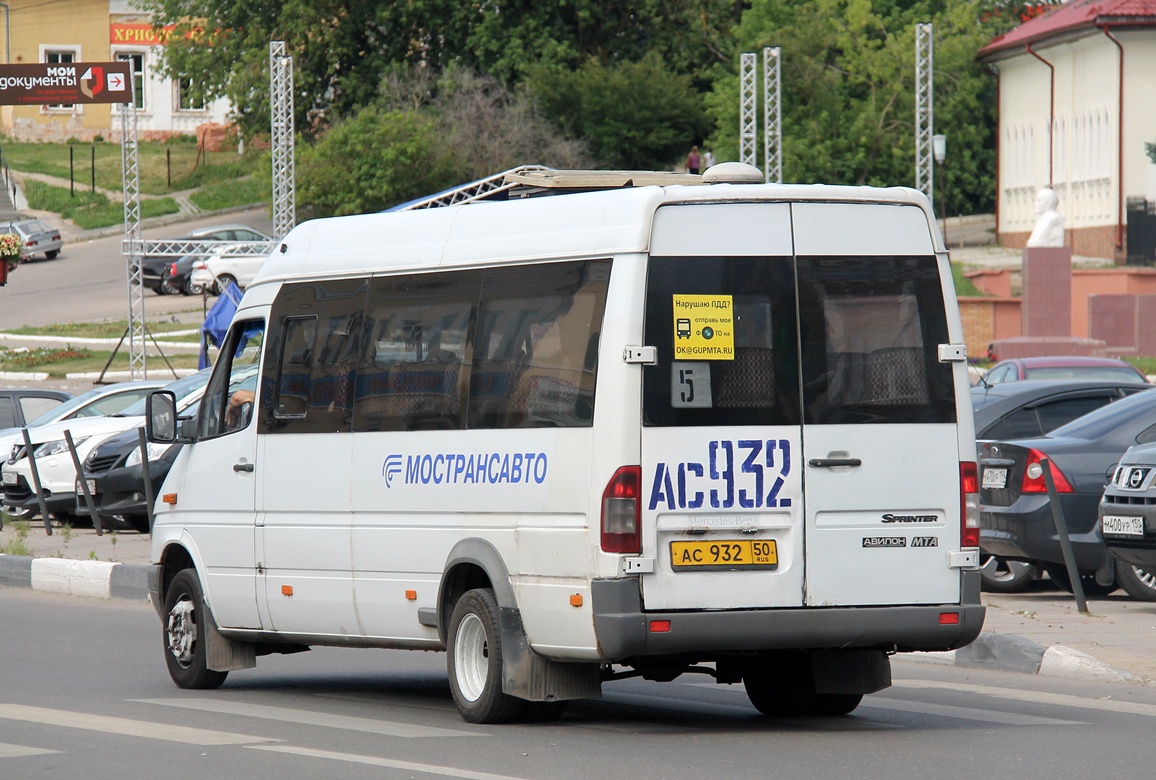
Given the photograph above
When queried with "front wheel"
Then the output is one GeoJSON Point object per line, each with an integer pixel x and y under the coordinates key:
{"type": "Point", "coordinates": [168, 286]}
{"type": "Point", "coordinates": [475, 661]}
{"type": "Point", "coordinates": [1139, 583]}
{"type": "Point", "coordinates": [184, 634]}
{"type": "Point", "coordinates": [192, 289]}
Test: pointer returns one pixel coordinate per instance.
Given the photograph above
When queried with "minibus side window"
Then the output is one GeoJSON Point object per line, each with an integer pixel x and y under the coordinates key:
{"type": "Point", "coordinates": [414, 368]}
{"type": "Point", "coordinates": [536, 350]}
{"type": "Point", "coordinates": [231, 394]}
{"type": "Point", "coordinates": [311, 363]}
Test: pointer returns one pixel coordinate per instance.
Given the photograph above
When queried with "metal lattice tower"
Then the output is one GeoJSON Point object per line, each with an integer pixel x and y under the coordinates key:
{"type": "Point", "coordinates": [281, 116]}
{"type": "Point", "coordinates": [130, 162]}
{"type": "Point", "coordinates": [924, 109]}
{"type": "Point", "coordinates": [748, 122]}
{"type": "Point", "coordinates": [772, 115]}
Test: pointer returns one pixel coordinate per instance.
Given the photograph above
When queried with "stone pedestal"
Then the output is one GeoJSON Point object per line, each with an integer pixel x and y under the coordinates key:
{"type": "Point", "coordinates": [1047, 292]}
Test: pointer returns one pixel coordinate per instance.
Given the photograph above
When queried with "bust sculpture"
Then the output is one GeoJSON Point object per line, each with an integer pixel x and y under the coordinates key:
{"type": "Point", "coordinates": [1049, 230]}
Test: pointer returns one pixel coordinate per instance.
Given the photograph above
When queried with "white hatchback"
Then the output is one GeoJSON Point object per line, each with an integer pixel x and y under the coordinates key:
{"type": "Point", "coordinates": [225, 266]}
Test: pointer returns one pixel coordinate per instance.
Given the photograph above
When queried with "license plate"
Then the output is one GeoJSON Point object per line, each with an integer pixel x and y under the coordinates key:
{"type": "Point", "coordinates": [91, 487]}
{"type": "Point", "coordinates": [724, 554]}
{"type": "Point", "coordinates": [9, 478]}
{"type": "Point", "coordinates": [1117, 525]}
{"type": "Point", "coordinates": [995, 478]}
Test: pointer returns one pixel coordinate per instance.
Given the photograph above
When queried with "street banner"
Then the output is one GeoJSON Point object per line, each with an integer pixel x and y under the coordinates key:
{"type": "Point", "coordinates": [65, 83]}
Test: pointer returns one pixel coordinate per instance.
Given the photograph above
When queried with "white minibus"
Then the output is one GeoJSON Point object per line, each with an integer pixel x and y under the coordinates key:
{"type": "Point", "coordinates": [598, 428]}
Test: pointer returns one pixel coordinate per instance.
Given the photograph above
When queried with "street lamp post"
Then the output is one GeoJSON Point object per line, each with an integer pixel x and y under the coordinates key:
{"type": "Point", "coordinates": [939, 149]}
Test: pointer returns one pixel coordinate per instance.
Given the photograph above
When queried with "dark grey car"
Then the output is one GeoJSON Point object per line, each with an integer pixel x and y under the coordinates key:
{"type": "Point", "coordinates": [1016, 514]}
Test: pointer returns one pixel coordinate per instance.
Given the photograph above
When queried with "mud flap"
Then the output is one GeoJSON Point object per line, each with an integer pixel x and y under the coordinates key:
{"type": "Point", "coordinates": [529, 676]}
{"type": "Point", "coordinates": [851, 671]}
{"type": "Point", "coordinates": [225, 655]}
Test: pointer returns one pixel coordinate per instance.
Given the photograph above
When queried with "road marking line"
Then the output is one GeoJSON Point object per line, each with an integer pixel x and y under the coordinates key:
{"type": "Point", "coordinates": [409, 766]}
{"type": "Point", "coordinates": [965, 713]}
{"type": "Point", "coordinates": [19, 751]}
{"type": "Point", "coordinates": [123, 726]}
{"type": "Point", "coordinates": [1036, 697]}
{"type": "Point", "coordinates": [287, 715]}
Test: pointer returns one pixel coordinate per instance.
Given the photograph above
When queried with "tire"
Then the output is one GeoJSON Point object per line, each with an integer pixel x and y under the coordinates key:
{"type": "Point", "coordinates": [168, 287]}
{"type": "Point", "coordinates": [836, 704]}
{"type": "Point", "coordinates": [192, 289]}
{"type": "Point", "coordinates": [1138, 582]}
{"type": "Point", "coordinates": [782, 685]}
{"type": "Point", "coordinates": [1059, 574]}
{"type": "Point", "coordinates": [474, 659]}
{"type": "Point", "coordinates": [184, 622]}
{"type": "Point", "coordinates": [53, 254]}
{"type": "Point", "coordinates": [223, 281]}
{"type": "Point", "coordinates": [1000, 575]}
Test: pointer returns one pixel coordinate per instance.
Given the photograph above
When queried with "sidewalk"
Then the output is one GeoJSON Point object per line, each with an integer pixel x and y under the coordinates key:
{"type": "Point", "coordinates": [1035, 632]}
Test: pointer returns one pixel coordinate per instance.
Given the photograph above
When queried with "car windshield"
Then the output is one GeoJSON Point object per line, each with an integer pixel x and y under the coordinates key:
{"type": "Point", "coordinates": [66, 408]}
{"type": "Point", "coordinates": [181, 388]}
{"type": "Point", "coordinates": [1108, 418]}
{"type": "Point", "coordinates": [1121, 374]}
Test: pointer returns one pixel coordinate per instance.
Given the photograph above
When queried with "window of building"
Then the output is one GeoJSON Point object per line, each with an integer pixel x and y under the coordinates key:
{"type": "Point", "coordinates": [60, 56]}
{"type": "Point", "coordinates": [190, 95]}
{"type": "Point", "coordinates": [136, 62]}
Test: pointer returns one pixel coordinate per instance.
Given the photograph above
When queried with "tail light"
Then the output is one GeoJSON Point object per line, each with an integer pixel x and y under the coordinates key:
{"type": "Point", "coordinates": [621, 512]}
{"type": "Point", "coordinates": [173, 269]}
{"type": "Point", "coordinates": [968, 504]}
{"type": "Point", "coordinates": [1033, 481]}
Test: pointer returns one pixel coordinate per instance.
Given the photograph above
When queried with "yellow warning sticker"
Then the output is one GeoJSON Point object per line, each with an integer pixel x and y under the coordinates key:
{"type": "Point", "coordinates": [704, 327]}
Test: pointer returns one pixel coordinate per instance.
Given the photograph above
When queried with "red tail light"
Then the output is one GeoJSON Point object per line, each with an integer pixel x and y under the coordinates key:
{"type": "Point", "coordinates": [1033, 481]}
{"type": "Point", "coordinates": [173, 269]}
{"type": "Point", "coordinates": [968, 504]}
{"type": "Point", "coordinates": [621, 512]}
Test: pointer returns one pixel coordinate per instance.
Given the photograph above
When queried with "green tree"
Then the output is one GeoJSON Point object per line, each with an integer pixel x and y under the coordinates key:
{"type": "Point", "coordinates": [634, 115]}
{"type": "Point", "coordinates": [371, 161]}
{"type": "Point", "coordinates": [848, 92]}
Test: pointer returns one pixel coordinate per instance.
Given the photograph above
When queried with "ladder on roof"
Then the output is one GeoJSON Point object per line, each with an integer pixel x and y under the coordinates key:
{"type": "Point", "coordinates": [477, 190]}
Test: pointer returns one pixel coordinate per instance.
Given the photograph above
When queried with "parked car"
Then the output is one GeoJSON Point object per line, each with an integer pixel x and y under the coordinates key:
{"type": "Point", "coordinates": [167, 275]}
{"type": "Point", "coordinates": [38, 236]}
{"type": "Point", "coordinates": [220, 269]}
{"type": "Point", "coordinates": [18, 405]}
{"type": "Point", "coordinates": [1128, 519]}
{"type": "Point", "coordinates": [1031, 408]}
{"type": "Point", "coordinates": [54, 463]}
{"type": "Point", "coordinates": [97, 402]}
{"type": "Point", "coordinates": [1016, 513]}
{"type": "Point", "coordinates": [1062, 367]}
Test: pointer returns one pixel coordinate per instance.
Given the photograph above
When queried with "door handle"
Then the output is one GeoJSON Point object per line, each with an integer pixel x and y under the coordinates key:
{"type": "Point", "coordinates": [246, 467]}
{"type": "Point", "coordinates": [830, 463]}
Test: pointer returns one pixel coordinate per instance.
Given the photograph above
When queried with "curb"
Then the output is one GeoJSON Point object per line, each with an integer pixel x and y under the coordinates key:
{"type": "Point", "coordinates": [91, 579]}
{"type": "Point", "coordinates": [1013, 653]}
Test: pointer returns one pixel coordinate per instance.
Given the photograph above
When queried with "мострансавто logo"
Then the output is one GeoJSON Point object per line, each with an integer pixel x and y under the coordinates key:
{"type": "Point", "coordinates": [482, 468]}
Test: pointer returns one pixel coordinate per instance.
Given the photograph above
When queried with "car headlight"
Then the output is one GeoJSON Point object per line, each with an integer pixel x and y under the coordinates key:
{"type": "Point", "coordinates": [50, 448]}
{"type": "Point", "coordinates": [156, 452]}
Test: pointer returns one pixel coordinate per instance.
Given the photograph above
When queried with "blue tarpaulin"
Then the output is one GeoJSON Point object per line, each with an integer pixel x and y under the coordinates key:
{"type": "Point", "coordinates": [217, 322]}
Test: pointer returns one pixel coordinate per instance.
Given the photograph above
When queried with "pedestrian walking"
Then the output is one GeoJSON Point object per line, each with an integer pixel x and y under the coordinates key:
{"type": "Point", "coordinates": [693, 161]}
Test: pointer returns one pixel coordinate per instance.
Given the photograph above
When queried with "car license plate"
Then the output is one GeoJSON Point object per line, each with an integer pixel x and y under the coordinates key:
{"type": "Point", "coordinates": [995, 479]}
{"type": "Point", "coordinates": [91, 487]}
{"type": "Point", "coordinates": [724, 554]}
{"type": "Point", "coordinates": [1117, 525]}
{"type": "Point", "coordinates": [9, 478]}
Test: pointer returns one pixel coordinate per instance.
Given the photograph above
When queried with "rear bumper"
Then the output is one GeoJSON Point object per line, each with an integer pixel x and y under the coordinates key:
{"type": "Point", "coordinates": [623, 627]}
{"type": "Point", "coordinates": [1026, 529]}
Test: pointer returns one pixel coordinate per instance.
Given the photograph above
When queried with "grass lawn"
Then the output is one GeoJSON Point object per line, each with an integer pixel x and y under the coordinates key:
{"type": "Point", "coordinates": [58, 362]}
{"type": "Point", "coordinates": [108, 330]}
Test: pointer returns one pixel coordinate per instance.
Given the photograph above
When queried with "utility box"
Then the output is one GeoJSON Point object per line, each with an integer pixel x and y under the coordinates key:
{"type": "Point", "coordinates": [1141, 235]}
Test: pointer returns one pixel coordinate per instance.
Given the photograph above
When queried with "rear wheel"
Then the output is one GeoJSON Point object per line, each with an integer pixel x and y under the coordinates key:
{"type": "Point", "coordinates": [192, 289]}
{"type": "Point", "coordinates": [184, 634]}
{"type": "Point", "coordinates": [223, 281]}
{"type": "Point", "coordinates": [1059, 575]}
{"type": "Point", "coordinates": [474, 658]}
{"type": "Point", "coordinates": [168, 286]}
{"type": "Point", "coordinates": [1138, 582]}
{"type": "Point", "coordinates": [53, 254]}
{"type": "Point", "coordinates": [1000, 575]}
{"type": "Point", "coordinates": [782, 685]}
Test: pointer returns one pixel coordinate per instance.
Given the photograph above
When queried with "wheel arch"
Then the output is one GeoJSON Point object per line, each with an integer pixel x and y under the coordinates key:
{"type": "Point", "coordinates": [472, 563]}
{"type": "Point", "coordinates": [174, 558]}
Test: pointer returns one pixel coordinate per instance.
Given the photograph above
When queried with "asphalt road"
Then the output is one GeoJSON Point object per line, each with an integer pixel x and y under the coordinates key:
{"type": "Point", "coordinates": [88, 281]}
{"type": "Point", "coordinates": [84, 693]}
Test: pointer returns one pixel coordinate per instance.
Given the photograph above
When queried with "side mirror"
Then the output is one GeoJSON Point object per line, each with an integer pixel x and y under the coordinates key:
{"type": "Point", "coordinates": [161, 417]}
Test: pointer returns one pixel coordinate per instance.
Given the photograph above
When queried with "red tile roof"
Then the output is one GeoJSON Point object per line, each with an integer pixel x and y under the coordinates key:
{"type": "Point", "coordinates": [1073, 18]}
